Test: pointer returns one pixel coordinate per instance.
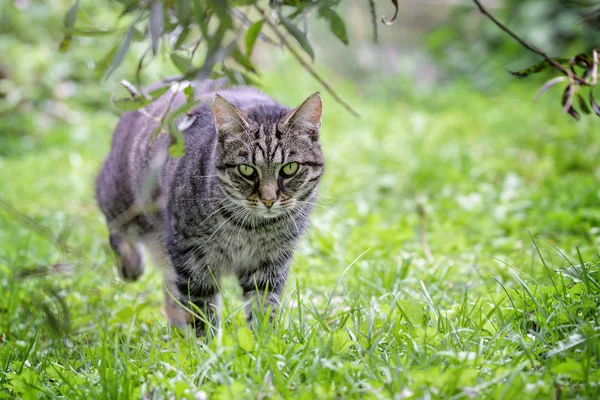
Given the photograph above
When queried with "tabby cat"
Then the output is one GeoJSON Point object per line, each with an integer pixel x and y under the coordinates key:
{"type": "Point", "coordinates": [236, 203]}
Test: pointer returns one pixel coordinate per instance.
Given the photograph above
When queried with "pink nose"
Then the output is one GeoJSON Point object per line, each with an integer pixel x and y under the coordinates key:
{"type": "Point", "coordinates": [268, 202]}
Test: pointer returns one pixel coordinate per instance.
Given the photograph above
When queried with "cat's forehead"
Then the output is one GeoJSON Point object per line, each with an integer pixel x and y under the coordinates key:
{"type": "Point", "coordinates": [268, 145]}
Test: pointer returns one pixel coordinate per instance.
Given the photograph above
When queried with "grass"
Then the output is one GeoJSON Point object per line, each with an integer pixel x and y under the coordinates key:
{"type": "Point", "coordinates": [506, 306]}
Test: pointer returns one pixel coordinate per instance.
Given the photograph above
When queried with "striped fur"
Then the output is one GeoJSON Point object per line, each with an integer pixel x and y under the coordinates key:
{"type": "Point", "coordinates": [198, 215]}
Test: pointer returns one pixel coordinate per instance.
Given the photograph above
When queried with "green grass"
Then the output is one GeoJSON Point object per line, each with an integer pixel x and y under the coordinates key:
{"type": "Point", "coordinates": [510, 196]}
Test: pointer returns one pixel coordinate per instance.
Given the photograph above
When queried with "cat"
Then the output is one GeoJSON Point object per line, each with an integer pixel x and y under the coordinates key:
{"type": "Point", "coordinates": [236, 203]}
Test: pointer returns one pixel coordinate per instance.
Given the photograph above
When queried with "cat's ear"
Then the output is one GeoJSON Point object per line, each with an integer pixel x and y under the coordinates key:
{"type": "Point", "coordinates": [228, 119]}
{"type": "Point", "coordinates": [307, 116]}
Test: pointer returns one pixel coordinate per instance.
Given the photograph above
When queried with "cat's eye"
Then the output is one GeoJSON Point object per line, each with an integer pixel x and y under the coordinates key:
{"type": "Point", "coordinates": [246, 170]}
{"type": "Point", "coordinates": [289, 169]}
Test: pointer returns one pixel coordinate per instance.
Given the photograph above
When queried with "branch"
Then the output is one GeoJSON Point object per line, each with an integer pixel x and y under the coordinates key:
{"type": "Point", "coordinates": [303, 63]}
{"type": "Point", "coordinates": [529, 46]}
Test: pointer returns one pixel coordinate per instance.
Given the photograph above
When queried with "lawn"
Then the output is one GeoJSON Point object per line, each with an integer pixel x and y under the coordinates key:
{"type": "Point", "coordinates": [444, 260]}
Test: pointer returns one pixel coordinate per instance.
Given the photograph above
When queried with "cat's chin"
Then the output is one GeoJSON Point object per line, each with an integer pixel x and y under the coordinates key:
{"type": "Point", "coordinates": [268, 213]}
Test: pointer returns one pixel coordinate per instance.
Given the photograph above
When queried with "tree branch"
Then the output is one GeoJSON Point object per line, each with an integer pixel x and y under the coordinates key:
{"type": "Point", "coordinates": [303, 63]}
{"type": "Point", "coordinates": [529, 46]}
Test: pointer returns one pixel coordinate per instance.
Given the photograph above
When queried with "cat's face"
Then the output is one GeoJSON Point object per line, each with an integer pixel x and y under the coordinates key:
{"type": "Point", "coordinates": [269, 166]}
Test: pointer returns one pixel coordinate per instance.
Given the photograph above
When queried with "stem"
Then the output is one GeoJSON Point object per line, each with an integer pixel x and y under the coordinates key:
{"type": "Point", "coordinates": [303, 63]}
{"type": "Point", "coordinates": [529, 46]}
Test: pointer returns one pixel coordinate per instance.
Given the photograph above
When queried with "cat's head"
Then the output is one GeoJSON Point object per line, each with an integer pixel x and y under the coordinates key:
{"type": "Point", "coordinates": [269, 159]}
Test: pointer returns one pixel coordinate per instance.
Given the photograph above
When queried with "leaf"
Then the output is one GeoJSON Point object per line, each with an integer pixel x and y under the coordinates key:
{"type": "Point", "coordinates": [91, 32]}
{"type": "Point", "coordinates": [69, 23]}
{"type": "Point", "coordinates": [155, 25]}
{"type": "Point", "coordinates": [189, 92]}
{"type": "Point", "coordinates": [177, 147]}
{"type": "Point", "coordinates": [548, 85]}
{"type": "Point", "coordinates": [593, 103]}
{"type": "Point", "coordinates": [539, 67]}
{"type": "Point", "coordinates": [103, 64]}
{"type": "Point", "coordinates": [239, 77]}
{"type": "Point", "coordinates": [252, 35]}
{"type": "Point", "coordinates": [181, 63]}
{"type": "Point", "coordinates": [181, 37]}
{"type": "Point", "coordinates": [118, 58]}
{"type": "Point", "coordinates": [245, 339]}
{"type": "Point", "coordinates": [123, 315]}
{"type": "Point", "coordinates": [582, 61]}
{"type": "Point", "coordinates": [567, 102]}
{"type": "Point", "coordinates": [577, 273]}
{"type": "Point", "coordinates": [139, 101]}
{"type": "Point", "coordinates": [582, 105]}
{"type": "Point", "coordinates": [243, 60]}
{"type": "Point", "coordinates": [336, 24]}
{"type": "Point", "coordinates": [570, 368]}
{"type": "Point", "coordinates": [221, 8]}
{"type": "Point", "coordinates": [298, 35]}
{"type": "Point", "coordinates": [183, 11]}
{"type": "Point", "coordinates": [391, 20]}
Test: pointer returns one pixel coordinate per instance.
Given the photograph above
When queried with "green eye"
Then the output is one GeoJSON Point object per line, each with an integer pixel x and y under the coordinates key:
{"type": "Point", "coordinates": [289, 169]}
{"type": "Point", "coordinates": [246, 170]}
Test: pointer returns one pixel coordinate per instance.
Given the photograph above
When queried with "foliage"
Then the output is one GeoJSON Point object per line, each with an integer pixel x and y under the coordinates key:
{"type": "Point", "coordinates": [204, 39]}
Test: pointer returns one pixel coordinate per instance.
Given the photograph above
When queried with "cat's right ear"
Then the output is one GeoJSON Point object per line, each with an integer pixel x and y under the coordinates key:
{"type": "Point", "coordinates": [228, 119]}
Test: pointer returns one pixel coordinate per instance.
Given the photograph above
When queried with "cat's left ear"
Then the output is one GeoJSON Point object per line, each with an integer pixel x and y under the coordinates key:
{"type": "Point", "coordinates": [228, 119]}
{"type": "Point", "coordinates": [307, 116]}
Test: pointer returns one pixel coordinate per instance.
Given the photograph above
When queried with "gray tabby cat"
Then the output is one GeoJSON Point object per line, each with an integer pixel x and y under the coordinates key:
{"type": "Point", "coordinates": [236, 203]}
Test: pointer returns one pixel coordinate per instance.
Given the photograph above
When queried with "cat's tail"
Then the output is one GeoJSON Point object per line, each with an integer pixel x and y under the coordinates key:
{"type": "Point", "coordinates": [129, 255]}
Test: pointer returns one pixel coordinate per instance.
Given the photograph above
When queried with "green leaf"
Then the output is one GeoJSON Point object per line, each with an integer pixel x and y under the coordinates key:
{"type": "Point", "coordinates": [582, 105]}
{"type": "Point", "coordinates": [177, 147]}
{"type": "Point", "coordinates": [583, 273]}
{"type": "Point", "coordinates": [181, 63]}
{"type": "Point", "coordinates": [245, 339]}
{"type": "Point", "coordinates": [238, 77]}
{"type": "Point", "coordinates": [118, 58]}
{"type": "Point", "coordinates": [103, 64]}
{"type": "Point", "coordinates": [221, 8]}
{"type": "Point", "coordinates": [252, 35]}
{"type": "Point", "coordinates": [539, 67]}
{"type": "Point", "coordinates": [189, 92]}
{"type": "Point", "coordinates": [336, 24]}
{"type": "Point", "coordinates": [338, 27]}
{"type": "Point", "coordinates": [570, 368]}
{"type": "Point", "coordinates": [123, 315]}
{"type": "Point", "coordinates": [243, 60]}
{"type": "Point", "coordinates": [69, 23]}
{"type": "Point", "coordinates": [298, 35]}
{"type": "Point", "coordinates": [568, 108]}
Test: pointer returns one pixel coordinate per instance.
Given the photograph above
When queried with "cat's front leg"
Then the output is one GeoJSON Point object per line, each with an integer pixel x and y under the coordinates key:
{"type": "Point", "coordinates": [262, 289]}
{"type": "Point", "coordinates": [196, 288]}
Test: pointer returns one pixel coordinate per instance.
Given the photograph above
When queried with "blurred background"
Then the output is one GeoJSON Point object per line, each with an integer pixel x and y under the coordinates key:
{"type": "Point", "coordinates": [432, 42]}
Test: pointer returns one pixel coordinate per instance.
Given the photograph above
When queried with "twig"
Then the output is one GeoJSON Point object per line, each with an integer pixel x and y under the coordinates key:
{"type": "Point", "coordinates": [373, 11]}
{"type": "Point", "coordinates": [528, 46]}
{"type": "Point", "coordinates": [304, 64]}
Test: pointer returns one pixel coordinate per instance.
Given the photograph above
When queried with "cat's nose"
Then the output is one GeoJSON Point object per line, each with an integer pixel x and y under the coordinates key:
{"type": "Point", "coordinates": [268, 202]}
{"type": "Point", "coordinates": [268, 194]}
